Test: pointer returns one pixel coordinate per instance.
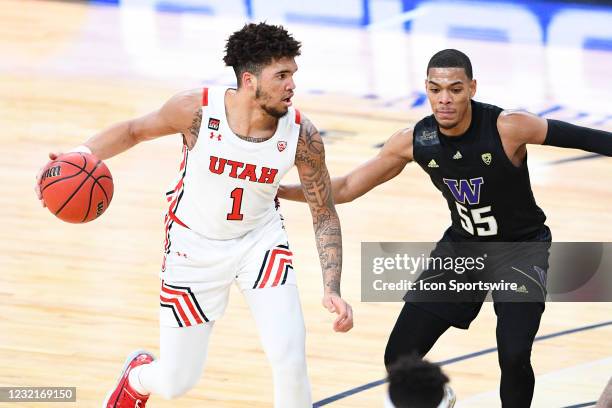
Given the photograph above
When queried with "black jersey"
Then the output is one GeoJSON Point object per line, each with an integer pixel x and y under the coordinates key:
{"type": "Point", "coordinates": [490, 199]}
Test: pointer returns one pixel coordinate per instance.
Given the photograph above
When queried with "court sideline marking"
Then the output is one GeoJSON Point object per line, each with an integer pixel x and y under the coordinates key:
{"type": "Point", "coordinates": [548, 382]}
{"type": "Point", "coordinates": [468, 356]}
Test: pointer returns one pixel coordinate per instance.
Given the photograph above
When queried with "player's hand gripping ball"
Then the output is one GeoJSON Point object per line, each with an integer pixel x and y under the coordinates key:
{"type": "Point", "coordinates": [76, 187]}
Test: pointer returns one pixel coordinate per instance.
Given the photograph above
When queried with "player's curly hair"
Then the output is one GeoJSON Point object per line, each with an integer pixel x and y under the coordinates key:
{"type": "Point", "coordinates": [257, 45]}
{"type": "Point", "coordinates": [416, 383]}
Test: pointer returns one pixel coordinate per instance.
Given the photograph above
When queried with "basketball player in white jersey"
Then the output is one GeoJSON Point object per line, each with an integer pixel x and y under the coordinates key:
{"type": "Point", "coordinates": [223, 226]}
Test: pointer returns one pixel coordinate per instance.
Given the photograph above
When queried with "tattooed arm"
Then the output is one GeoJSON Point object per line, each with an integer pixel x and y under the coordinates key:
{"type": "Point", "coordinates": [180, 114]}
{"type": "Point", "coordinates": [316, 184]}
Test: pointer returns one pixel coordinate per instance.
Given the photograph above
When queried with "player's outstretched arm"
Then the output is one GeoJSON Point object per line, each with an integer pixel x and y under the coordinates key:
{"type": "Point", "coordinates": [388, 163]}
{"type": "Point", "coordinates": [522, 128]}
{"type": "Point", "coordinates": [180, 114]}
{"type": "Point", "coordinates": [316, 185]}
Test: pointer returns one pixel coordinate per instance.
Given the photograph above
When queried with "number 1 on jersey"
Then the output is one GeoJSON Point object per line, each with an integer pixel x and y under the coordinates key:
{"type": "Point", "coordinates": [237, 203]}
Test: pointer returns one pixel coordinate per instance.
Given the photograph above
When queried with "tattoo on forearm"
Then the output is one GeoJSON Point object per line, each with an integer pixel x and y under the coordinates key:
{"type": "Point", "coordinates": [194, 130]}
{"type": "Point", "coordinates": [316, 184]}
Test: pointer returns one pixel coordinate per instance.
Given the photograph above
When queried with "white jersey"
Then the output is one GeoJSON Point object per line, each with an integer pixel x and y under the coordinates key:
{"type": "Point", "coordinates": [227, 186]}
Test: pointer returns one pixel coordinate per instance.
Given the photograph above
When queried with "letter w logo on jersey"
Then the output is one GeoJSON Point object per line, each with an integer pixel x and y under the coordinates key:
{"type": "Point", "coordinates": [275, 267]}
{"type": "Point", "coordinates": [465, 190]}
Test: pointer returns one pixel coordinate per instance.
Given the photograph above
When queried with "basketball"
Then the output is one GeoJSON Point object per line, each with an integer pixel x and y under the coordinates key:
{"type": "Point", "coordinates": [76, 187]}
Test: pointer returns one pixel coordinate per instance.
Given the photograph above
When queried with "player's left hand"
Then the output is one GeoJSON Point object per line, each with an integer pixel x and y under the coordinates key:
{"type": "Point", "coordinates": [335, 304]}
{"type": "Point", "coordinates": [52, 156]}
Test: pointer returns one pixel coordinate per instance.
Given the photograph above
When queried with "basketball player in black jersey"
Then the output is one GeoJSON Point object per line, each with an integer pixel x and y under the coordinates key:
{"type": "Point", "coordinates": [476, 155]}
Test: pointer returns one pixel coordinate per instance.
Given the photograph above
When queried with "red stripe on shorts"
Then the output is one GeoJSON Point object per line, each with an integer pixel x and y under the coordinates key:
{"type": "Point", "coordinates": [281, 269]}
{"type": "Point", "coordinates": [178, 307]}
{"type": "Point", "coordinates": [187, 300]}
{"type": "Point", "coordinates": [275, 252]}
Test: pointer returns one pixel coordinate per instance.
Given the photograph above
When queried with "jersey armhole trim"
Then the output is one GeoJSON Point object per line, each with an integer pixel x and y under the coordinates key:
{"type": "Point", "coordinates": [298, 117]}
{"type": "Point", "coordinates": [205, 97]}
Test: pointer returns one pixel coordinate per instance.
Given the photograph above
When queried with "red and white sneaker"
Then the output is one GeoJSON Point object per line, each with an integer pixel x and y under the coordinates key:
{"type": "Point", "coordinates": [123, 395]}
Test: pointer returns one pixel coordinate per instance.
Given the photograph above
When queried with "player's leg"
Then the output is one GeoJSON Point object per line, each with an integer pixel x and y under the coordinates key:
{"type": "Point", "coordinates": [517, 325]}
{"type": "Point", "coordinates": [268, 282]}
{"type": "Point", "coordinates": [415, 332]}
{"type": "Point", "coordinates": [426, 315]}
{"type": "Point", "coordinates": [518, 315]}
{"type": "Point", "coordinates": [278, 316]}
{"type": "Point", "coordinates": [183, 352]}
{"type": "Point", "coordinates": [188, 310]}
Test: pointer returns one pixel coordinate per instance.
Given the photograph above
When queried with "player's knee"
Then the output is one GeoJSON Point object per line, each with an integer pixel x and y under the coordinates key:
{"type": "Point", "coordinates": [291, 376]}
{"type": "Point", "coordinates": [288, 360]}
{"type": "Point", "coordinates": [397, 347]}
{"type": "Point", "coordinates": [172, 390]}
{"type": "Point", "coordinates": [392, 350]}
{"type": "Point", "coordinates": [390, 354]}
{"type": "Point", "coordinates": [514, 358]}
{"type": "Point", "coordinates": [177, 383]}
{"type": "Point", "coordinates": [291, 365]}
{"type": "Point", "coordinates": [288, 349]}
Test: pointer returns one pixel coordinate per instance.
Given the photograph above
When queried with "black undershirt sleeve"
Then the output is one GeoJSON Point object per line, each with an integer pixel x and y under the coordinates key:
{"type": "Point", "coordinates": [563, 134]}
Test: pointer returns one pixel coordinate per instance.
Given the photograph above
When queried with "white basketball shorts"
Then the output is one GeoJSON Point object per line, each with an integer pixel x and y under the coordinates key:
{"type": "Point", "coordinates": [197, 271]}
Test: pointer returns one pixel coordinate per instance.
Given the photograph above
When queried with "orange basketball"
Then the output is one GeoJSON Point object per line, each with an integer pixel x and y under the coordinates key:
{"type": "Point", "coordinates": [76, 187]}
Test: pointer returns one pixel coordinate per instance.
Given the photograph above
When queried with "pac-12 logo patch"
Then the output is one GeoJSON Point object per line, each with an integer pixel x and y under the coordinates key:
{"type": "Point", "coordinates": [213, 123]}
{"type": "Point", "coordinates": [281, 145]}
{"type": "Point", "coordinates": [486, 158]}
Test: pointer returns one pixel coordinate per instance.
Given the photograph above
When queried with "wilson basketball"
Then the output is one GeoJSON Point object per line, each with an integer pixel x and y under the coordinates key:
{"type": "Point", "coordinates": [76, 187]}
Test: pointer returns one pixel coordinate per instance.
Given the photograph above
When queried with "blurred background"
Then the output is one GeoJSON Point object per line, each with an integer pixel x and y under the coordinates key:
{"type": "Point", "coordinates": [76, 299]}
{"type": "Point", "coordinates": [527, 54]}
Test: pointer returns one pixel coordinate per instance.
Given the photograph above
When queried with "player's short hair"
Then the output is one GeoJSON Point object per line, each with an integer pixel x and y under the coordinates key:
{"type": "Point", "coordinates": [257, 45]}
{"type": "Point", "coordinates": [415, 383]}
{"type": "Point", "coordinates": [451, 58]}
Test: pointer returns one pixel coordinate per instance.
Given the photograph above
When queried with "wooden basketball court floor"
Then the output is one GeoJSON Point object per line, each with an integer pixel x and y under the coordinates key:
{"type": "Point", "coordinates": [76, 299]}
